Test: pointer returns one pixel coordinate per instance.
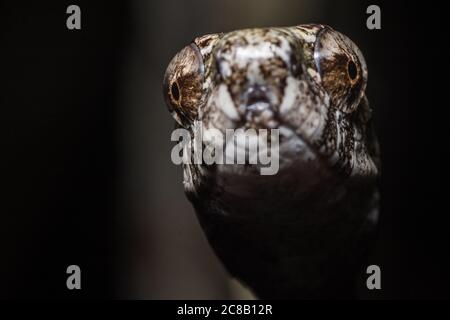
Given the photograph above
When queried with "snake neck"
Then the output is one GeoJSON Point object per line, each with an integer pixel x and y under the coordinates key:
{"type": "Point", "coordinates": [287, 247]}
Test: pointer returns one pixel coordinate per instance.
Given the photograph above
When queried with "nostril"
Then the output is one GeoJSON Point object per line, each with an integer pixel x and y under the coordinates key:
{"type": "Point", "coordinates": [256, 95]}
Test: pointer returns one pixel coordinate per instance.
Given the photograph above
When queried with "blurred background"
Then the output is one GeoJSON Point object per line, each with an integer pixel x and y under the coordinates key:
{"type": "Point", "coordinates": [85, 157]}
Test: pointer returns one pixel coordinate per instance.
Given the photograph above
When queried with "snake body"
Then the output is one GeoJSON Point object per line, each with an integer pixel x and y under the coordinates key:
{"type": "Point", "coordinates": [305, 231]}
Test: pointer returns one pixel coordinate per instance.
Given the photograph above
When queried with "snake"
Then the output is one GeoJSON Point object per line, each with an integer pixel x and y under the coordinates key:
{"type": "Point", "coordinates": [306, 231]}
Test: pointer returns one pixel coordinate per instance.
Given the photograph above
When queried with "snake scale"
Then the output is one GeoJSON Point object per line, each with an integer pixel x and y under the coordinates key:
{"type": "Point", "coordinates": [305, 231]}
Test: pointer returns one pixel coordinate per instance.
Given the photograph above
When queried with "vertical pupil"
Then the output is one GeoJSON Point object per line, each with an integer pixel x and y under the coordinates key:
{"type": "Point", "coordinates": [352, 71]}
{"type": "Point", "coordinates": [175, 91]}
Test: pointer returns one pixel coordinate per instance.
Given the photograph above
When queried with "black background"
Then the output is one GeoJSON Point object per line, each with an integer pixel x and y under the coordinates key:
{"type": "Point", "coordinates": [60, 158]}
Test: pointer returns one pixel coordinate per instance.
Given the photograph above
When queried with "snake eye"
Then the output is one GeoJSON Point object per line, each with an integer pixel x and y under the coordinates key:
{"type": "Point", "coordinates": [342, 69]}
{"type": "Point", "coordinates": [352, 70]}
{"type": "Point", "coordinates": [175, 91]}
{"type": "Point", "coordinates": [183, 84]}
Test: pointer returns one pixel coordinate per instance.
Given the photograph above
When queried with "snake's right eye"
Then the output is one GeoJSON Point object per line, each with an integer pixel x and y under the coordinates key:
{"type": "Point", "coordinates": [342, 69]}
{"type": "Point", "coordinates": [183, 85]}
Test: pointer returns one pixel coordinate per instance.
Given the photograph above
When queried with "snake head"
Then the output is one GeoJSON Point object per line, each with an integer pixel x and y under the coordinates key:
{"type": "Point", "coordinates": [307, 81]}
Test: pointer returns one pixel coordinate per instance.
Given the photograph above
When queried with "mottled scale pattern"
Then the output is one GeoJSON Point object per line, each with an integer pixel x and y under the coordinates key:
{"type": "Point", "coordinates": [304, 232]}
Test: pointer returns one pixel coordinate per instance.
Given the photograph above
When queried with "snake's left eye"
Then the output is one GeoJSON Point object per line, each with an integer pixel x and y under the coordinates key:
{"type": "Point", "coordinates": [183, 85]}
{"type": "Point", "coordinates": [342, 69]}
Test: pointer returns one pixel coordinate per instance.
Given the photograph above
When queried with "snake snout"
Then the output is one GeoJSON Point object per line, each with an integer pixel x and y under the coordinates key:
{"type": "Point", "coordinates": [255, 95]}
{"type": "Point", "coordinates": [258, 107]}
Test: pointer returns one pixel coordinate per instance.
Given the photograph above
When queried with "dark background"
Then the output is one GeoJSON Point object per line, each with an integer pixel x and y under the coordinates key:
{"type": "Point", "coordinates": [86, 171]}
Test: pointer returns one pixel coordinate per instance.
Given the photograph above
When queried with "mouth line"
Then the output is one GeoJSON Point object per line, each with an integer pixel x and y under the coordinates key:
{"type": "Point", "coordinates": [258, 106]}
